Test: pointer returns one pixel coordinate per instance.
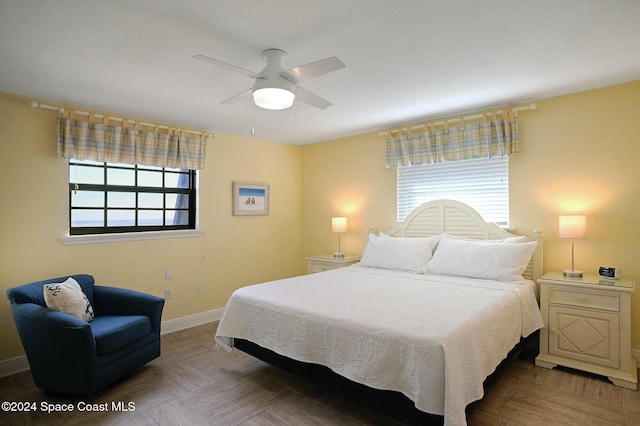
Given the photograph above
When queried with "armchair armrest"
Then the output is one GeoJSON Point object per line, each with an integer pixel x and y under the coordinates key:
{"type": "Point", "coordinates": [121, 301]}
{"type": "Point", "coordinates": [42, 329]}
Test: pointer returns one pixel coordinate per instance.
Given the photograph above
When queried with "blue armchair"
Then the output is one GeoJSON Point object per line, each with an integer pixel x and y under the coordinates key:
{"type": "Point", "coordinates": [71, 356]}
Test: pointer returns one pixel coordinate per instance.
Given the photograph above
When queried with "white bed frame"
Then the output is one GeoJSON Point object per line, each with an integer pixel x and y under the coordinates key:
{"type": "Point", "coordinates": [456, 218]}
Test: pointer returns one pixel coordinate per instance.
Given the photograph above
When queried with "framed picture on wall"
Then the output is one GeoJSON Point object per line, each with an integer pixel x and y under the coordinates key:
{"type": "Point", "coordinates": [250, 199]}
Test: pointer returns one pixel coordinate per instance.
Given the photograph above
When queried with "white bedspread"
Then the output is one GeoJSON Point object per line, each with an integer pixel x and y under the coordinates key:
{"type": "Point", "coordinates": [433, 338]}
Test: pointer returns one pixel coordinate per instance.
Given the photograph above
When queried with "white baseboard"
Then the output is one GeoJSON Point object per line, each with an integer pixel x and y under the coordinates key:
{"type": "Point", "coordinates": [178, 324]}
{"type": "Point", "coordinates": [20, 363]}
{"type": "Point", "coordinates": [13, 365]}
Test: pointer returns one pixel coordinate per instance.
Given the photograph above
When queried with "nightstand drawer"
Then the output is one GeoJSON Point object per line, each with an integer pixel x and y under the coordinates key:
{"type": "Point", "coordinates": [315, 268]}
{"type": "Point", "coordinates": [328, 262]}
{"type": "Point", "coordinates": [608, 302]}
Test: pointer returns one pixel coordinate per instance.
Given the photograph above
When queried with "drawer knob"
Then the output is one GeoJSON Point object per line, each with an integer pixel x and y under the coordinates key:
{"type": "Point", "coordinates": [581, 300]}
{"type": "Point", "coordinates": [552, 331]}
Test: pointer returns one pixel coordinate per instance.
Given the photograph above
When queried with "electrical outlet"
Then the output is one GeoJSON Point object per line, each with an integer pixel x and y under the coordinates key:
{"type": "Point", "coordinates": [168, 293]}
{"type": "Point", "coordinates": [168, 273]}
{"type": "Point", "coordinates": [199, 288]}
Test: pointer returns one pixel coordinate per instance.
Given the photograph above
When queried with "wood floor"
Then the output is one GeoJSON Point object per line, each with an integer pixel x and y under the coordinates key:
{"type": "Point", "coordinates": [193, 384]}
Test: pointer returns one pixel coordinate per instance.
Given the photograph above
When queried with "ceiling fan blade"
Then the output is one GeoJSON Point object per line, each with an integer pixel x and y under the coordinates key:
{"type": "Point", "coordinates": [226, 65]}
{"type": "Point", "coordinates": [310, 98]}
{"type": "Point", "coordinates": [237, 98]}
{"type": "Point", "coordinates": [314, 69]}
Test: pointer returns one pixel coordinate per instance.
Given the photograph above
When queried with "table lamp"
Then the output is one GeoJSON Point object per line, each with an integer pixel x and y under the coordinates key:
{"type": "Point", "coordinates": [339, 225]}
{"type": "Point", "coordinates": [573, 227]}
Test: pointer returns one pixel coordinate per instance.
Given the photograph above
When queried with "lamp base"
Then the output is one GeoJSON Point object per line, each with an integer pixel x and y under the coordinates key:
{"type": "Point", "coordinates": [338, 255]}
{"type": "Point", "coordinates": [572, 273]}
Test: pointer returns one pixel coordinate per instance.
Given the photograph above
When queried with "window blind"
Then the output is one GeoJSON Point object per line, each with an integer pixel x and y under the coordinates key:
{"type": "Point", "coordinates": [481, 183]}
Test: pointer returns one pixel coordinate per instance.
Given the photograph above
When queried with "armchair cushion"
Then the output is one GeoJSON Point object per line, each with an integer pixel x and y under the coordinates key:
{"type": "Point", "coordinates": [114, 332]}
{"type": "Point", "coordinates": [69, 298]}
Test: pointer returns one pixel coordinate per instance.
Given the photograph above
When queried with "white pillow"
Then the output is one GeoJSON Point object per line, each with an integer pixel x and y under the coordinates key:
{"type": "Point", "coordinates": [69, 298]}
{"type": "Point", "coordinates": [512, 240]}
{"type": "Point", "coordinates": [491, 260]}
{"type": "Point", "coordinates": [400, 253]}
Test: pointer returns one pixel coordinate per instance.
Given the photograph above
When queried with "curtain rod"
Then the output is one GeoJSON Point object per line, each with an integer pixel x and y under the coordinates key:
{"type": "Point", "coordinates": [34, 104]}
{"type": "Point", "coordinates": [531, 106]}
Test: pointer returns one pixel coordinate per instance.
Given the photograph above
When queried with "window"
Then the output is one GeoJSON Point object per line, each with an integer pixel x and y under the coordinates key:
{"type": "Point", "coordinates": [481, 183]}
{"type": "Point", "coordinates": [110, 198]}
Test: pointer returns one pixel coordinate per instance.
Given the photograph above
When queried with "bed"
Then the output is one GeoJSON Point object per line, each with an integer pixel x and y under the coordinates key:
{"type": "Point", "coordinates": [434, 307]}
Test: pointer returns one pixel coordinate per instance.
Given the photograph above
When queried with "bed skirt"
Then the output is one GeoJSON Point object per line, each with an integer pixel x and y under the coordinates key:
{"type": "Point", "coordinates": [391, 402]}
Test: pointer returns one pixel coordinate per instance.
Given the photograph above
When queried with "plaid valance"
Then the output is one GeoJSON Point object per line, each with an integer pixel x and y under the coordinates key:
{"type": "Point", "coordinates": [88, 140]}
{"type": "Point", "coordinates": [484, 139]}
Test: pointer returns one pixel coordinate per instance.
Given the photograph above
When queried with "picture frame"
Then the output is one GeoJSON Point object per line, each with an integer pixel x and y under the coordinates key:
{"type": "Point", "coordinates": [250, 199]}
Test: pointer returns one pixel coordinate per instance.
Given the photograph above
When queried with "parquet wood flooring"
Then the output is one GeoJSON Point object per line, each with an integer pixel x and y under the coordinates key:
{"type": "Point", "coordinates": [194, 384]}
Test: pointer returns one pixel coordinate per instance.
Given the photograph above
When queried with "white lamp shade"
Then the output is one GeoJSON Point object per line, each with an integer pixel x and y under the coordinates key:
{"type": "Point", "coordinates": [572, 226]}
{"type": "Point", "coordinates": [339, 224]}
{"type": "Point", "coordinates": [273, 98]}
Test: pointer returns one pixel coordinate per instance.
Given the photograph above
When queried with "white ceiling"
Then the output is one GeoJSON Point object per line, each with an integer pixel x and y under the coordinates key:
{"type": "Point", "coordinates": [405, 60]}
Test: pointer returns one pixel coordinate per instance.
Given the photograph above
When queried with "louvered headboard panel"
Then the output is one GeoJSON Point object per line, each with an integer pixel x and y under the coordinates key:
{"type": "Point", "coordinates": [456, 218]}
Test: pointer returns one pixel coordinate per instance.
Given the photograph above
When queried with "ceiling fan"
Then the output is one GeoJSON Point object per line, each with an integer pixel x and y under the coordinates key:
{"type": "Point", "coordinates": [276, 88]}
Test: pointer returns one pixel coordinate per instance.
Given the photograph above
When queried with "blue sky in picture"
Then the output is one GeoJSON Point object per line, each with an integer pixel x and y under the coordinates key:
{"type": "Point", "coordinates": [251, 192]}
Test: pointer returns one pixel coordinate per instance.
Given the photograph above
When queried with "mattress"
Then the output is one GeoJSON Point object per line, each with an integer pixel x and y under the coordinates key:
{"type": "Point", "coordinates": [433, 338]}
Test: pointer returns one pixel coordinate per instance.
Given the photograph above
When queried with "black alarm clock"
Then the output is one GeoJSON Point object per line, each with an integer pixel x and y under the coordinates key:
{"type": "Point", "coordinates": [609, 272]}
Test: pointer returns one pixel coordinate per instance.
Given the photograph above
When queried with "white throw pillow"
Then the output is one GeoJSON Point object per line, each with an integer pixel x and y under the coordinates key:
{"type": "Point", "coordinates": [399, 253]}
{"type": "Point", "coordinates": [69, 298]}
{"type": "Point", "coordinates": [491, 260]}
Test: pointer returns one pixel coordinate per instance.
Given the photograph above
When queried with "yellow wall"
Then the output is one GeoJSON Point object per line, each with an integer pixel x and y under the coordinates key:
{"type": "Point", "coordinates": [578, 154]}
{"type": "Point", "coordinates": [346, 177]}
{"type": "Point", "coordinates": [235, 250]}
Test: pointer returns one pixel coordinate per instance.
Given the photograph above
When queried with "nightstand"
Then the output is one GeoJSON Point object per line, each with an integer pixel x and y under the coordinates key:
{"type": "Point", "coordinates": [588, 326]}
{"type": "Point", "coordinates": [328, 262]}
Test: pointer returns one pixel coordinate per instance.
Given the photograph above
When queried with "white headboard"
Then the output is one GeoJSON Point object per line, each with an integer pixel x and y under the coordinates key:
{"type": "Point", "coordinates": [456, 218]}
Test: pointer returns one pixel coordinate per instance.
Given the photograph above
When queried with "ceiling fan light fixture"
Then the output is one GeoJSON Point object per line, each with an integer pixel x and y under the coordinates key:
{"type": "Point", "coordinates": [273, 98]}
{"type": "Point", "coordinates": [277, 88]}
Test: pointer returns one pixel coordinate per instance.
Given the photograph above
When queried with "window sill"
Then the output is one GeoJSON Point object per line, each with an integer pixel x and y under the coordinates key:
{"type": "Point", "coordinates": [129, 236]}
